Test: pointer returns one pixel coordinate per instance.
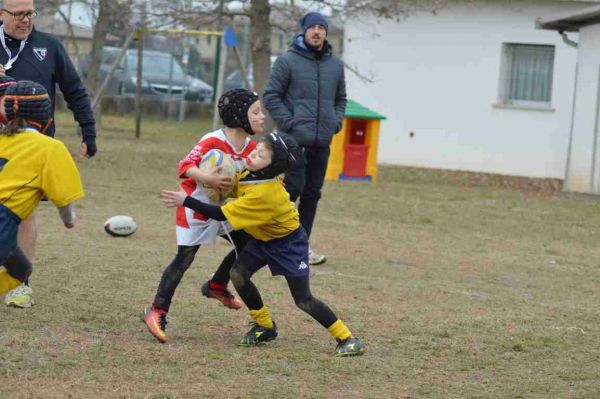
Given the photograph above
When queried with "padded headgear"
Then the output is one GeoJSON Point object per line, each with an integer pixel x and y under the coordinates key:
{"type": "Point", "coordinates": [30, 101]}
{"type": "Point", "coordinates": [233, 108]}
{"type": "Point", "coordinates": [6, 81]}
{"type": "Point", "coordinates": [286, 153]}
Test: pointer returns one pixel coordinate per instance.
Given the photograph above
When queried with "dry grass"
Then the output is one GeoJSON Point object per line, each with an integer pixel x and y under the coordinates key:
{"type": "Point", "coordinates": [458, 290]}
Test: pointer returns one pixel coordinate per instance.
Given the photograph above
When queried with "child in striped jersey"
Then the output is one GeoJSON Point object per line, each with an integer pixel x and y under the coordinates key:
{"type": "Point", "coordinates": [263, 209]}
{"type": "Point", "coordinates": [241, 113]}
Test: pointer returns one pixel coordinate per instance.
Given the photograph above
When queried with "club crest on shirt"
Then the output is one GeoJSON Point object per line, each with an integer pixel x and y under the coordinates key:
{"type": "Point", "coordinates": [3, 161]}
{"type": "Point", "coordinates": [40, 53]}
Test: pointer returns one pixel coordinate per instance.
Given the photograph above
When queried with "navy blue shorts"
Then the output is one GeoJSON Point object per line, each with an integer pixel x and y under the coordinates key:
{"type": "Point", "coordinates": [286, 256]}
{"type": "Point", "coordinates": [9, 226]}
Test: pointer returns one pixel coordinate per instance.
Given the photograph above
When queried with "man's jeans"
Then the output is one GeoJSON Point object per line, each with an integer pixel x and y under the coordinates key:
{"type": "Point", "coordinates": [305, 180]}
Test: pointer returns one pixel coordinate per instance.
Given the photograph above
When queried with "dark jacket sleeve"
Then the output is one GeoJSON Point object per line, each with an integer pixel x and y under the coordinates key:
{"type": "Point", "coordinates": [210, 211]}
{"type": "Point", "coordinates": [74, 93]}
{"type": "Point", "coordinates": [273, 98]}
{"type": "Point", "coordinates": [341, 100]}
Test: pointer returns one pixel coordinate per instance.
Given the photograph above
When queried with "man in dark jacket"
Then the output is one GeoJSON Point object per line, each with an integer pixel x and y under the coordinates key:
{"type": "Point", "coordinates": [27, 54]}
{"type": "Point", "coordinates": [306, 97]}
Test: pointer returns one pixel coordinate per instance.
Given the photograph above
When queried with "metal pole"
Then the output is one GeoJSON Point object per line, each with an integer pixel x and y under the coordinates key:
{"type": "Point", "coordinates": [219, 86]}
{"type": "Point", "coordinates": [216, 69]}
{"type": "Point", "coordinates": [138, 88]}
{"type": "Point", "coordinates": [186, 63]}
{"type": "Point", "coordinates": [170, 88]}
{"type": "Point", "coordinates": [112, 69]}
{"type": "Point", "coordinates": [236, 51]}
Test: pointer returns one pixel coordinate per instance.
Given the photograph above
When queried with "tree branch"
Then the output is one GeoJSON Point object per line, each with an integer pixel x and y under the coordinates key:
{"type": "Point", "coordinates": [359, 75]}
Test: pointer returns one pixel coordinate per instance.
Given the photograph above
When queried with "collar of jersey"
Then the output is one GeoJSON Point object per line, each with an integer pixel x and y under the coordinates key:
{"type": "Point", "coordinates": [248, 177]}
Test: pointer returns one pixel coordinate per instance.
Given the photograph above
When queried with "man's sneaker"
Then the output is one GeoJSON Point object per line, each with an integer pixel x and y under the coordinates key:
{"type": "Point", "coordinates": [156, 320]}
{"type": "Point", "coordinates": [225, 296]}
{"type": "Point", "coordinates": [258, 334]}
{"type": "Point", "coordinates": [349, 347]}
{"type": "Point", "coordinates": [20, 297]}
{"type": "Point", "coordinates": [315, 258]}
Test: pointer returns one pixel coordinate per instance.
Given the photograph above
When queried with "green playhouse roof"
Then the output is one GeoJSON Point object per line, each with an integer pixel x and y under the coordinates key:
{"type": "Point", "coordinates": [355, 110]}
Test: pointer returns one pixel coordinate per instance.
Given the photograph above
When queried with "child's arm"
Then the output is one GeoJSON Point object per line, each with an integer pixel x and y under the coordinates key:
{"type": "Point", "coordinates": [188, 166]}
{"type": "Point", "coordinates": [212, 178]}
{"type": "Point", "coordinates": [179, 198]}
{"type": "Point", "coordinates": [67, 214]}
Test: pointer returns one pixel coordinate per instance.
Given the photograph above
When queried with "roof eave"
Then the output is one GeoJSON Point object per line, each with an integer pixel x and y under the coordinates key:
{"type": "Point", "coordinates": [571, 22]}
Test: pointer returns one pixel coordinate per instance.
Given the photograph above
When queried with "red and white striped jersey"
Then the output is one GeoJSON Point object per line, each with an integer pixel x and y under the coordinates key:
{"type": "Point", "coordinates": [187, 218]}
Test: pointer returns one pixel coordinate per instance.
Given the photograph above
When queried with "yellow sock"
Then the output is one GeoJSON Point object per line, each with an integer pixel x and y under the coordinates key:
{"type": "Point", "coordinates": [262, 317]}
{"type": "Point", "coordinates": [7, 282]}
{"type": "Point", "coordinates": [339, 330]}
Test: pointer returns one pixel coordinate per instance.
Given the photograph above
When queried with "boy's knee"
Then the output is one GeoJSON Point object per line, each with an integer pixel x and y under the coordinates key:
{"type": "Point", "coordinates": [236, 276]}
{"type": "Point", "coordinates": [185, 256]}
{"type": "Point", "coordinates": [305, 304]}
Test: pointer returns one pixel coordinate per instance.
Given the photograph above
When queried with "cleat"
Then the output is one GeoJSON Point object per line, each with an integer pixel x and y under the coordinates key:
{"type": "Point", "coordinates": [258, 334]}
{"type": "Point", "coordinates": [315, 258]}
{"type": "Point", "coordinates": [349, 347]}
{"type": "Point", "coordinates": [225, 296]}
{"type": "Point", "coordinates": [20, 297]}
{"type": "Point", "coordinates": [156, 321]}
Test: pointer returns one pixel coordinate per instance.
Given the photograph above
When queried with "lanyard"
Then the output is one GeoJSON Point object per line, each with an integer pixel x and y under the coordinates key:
{"type": "Point", "coordinates": [11, 59]}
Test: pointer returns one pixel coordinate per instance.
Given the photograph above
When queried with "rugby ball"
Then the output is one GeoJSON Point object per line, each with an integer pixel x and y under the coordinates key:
{"type": "Point", "coordinates": [120, 226]}
{"type": "Point", "coordinates": [213, 159]}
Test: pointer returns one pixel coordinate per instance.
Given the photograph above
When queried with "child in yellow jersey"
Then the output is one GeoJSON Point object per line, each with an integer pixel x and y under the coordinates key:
{"type": "Point", "coordinates": [31, 165]}
{"type": "Point", "coordinates": [263, 209]}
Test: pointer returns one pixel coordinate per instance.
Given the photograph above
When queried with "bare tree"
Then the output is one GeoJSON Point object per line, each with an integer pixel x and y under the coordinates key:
{"type": "Point", "coordinates": [260, 43]}
{"type": "Point", "coordinates": [106, 10]}
{"type": "Point", "coordinates": [198, 14]}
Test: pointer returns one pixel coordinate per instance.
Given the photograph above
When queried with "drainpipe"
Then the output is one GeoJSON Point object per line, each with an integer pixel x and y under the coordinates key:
{"type": "Point", "coordinates": [574, 44]}
{"type": "Point", "coordinates": [568, 41]}
{"type": "Point", "coordinates": [593, 174]}
{"type": "Point", "coordinates": [566, 182]}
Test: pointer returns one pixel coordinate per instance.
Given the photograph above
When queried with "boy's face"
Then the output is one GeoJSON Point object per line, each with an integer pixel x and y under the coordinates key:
{"type": "Point", "coordinates": [259, 158]}
{"type": "Point", "coordinates": [256, 117]}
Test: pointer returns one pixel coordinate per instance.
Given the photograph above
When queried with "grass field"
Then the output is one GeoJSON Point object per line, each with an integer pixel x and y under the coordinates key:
{"type": "Point", "coordinates": [458, 290]}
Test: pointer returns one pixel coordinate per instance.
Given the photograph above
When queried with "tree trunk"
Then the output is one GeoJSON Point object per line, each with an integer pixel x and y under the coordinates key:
{"type": "Point", "coordinates": [260, 32]}
{"type": "Point", "coordinates": [101, 29]}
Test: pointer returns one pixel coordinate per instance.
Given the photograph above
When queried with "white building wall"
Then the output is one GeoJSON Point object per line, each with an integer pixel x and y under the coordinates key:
{"type": "Point", "coordinates": [438, 76]}
{"type": "Point", "coordinates": [583, 172]}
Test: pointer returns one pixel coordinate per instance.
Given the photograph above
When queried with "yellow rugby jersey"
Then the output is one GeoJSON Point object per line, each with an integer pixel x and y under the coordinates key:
{"type": "Point", "coordinates": [31, 165]}
{"type": "Point", "coordinates": [263, 209]}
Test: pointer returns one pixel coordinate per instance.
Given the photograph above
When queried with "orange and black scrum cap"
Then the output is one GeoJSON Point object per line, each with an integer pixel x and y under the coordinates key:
{"type": "Point", "coordinates": [6, 81]}
{"type": "Point", "coordinates": [28, 100]}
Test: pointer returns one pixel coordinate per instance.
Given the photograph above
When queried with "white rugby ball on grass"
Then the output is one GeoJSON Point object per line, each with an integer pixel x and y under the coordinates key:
{"type": "Point", "coordinates": [120, 226]}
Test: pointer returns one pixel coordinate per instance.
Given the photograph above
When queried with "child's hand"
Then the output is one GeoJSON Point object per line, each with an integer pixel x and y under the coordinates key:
{"type": "Point", "coordinates": [218, 182]}
{"type": "Point", "coordinates": [173, 198]}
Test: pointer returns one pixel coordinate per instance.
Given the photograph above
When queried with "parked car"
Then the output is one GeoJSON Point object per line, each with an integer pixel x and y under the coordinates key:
{"type": "Point", "coordinates": [162, 76]}
{"type": "Point", "coordinates": [235, 81]}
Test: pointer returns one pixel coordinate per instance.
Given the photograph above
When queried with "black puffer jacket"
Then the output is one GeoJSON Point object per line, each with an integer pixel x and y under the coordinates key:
{"type": "Point", "coordinates": [306, 95]}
